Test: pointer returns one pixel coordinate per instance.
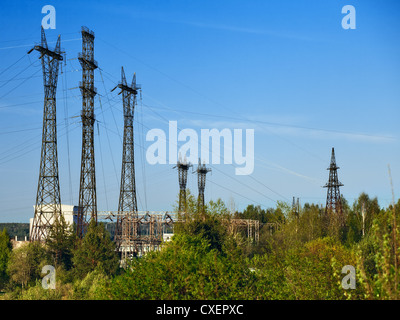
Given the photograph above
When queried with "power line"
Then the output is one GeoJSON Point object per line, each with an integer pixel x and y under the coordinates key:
{"type": "Point", "coordinates": [13, 64]}
{"type": "Point", "coordinates": [251, 188]}
{"type": "Point", "coordinates": [19, 84]}
{"type": "Point", "coordinates": [22, 130]}
{"type": "Point", "coordinates": [66, 121]}
{"type": "Point", "coordinates": [102, 167]}
{"type": "Point", "coordinates": [23, 70]}
{"type": "Point", "coordinates": [205, 97]}
{"type": "Point", "coordinates": [227, 117]}
{"type": "Point", "coordinates": [236, 193]}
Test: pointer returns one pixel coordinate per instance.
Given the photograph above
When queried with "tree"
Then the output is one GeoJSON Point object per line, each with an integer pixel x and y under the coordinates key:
{"type": "Point", "coordinates": [60, 243]}
{"type": "Point", "coordinates": [378, 256]}
{"type": "Point", "coordinates": [95, 251]}
{"type": "Point", "coordinates": [5, 252]}
{"type": "Point", "coordinates": [367, 206]}
{"type": "Point", "coordinates": [25, 264]}
{"type": "Point", "coordinates": [186, 268]}
{"type": "Point", "coordinates": [210, 225]}
{"type": "Point", "coordinates": [313, 271]}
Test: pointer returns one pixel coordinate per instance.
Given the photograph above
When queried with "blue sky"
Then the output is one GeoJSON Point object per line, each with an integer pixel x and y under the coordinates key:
{"type": "Point", "coordinates": [285, 68]}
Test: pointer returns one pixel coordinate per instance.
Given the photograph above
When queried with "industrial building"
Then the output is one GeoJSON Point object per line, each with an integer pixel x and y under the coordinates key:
{"type": "Point", "coordinates": [69, 212]}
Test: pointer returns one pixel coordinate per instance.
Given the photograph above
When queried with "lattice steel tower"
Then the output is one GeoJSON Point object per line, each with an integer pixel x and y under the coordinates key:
{"type": "Point", "coordinates": [48, 200]}
{"type": "Point", "coordinates": [87, 190]}
{"type": "Point", "coordinates": [202, 171]}
{"type": "Point", "coordinates": [183, 168]}
{"type": "Point", "coordinates": [296, 207]}
{"type": "Point", "coordinates": [333, 199]}
{"type": "Point", "coordinates": [127, 227]}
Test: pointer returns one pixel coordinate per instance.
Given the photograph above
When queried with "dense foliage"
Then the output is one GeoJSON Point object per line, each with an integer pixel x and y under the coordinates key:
{"type": "Point", "coordinates": [300, 255]}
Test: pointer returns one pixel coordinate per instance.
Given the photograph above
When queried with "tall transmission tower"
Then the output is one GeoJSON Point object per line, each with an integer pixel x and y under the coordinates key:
{"type": "Point", "coordinates": [333, 199]}
{"type": "Point", "coordinates": [48, 200]}
{"type": "Point", "coordinates": [202, 171]}
{"type": "Point", "coordinates": [87, 189]}
{"type": "Point", "coordinates": [183, 168]}
{"type": "Point", "coordinates": [127, 227]}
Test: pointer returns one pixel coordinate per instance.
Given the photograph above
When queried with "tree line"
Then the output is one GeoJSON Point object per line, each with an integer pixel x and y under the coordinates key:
{"type": "Point", "coordinates": [301, 258]}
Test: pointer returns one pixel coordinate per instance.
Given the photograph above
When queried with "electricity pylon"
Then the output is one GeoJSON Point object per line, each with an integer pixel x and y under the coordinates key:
{"type": "Point", "coordinates": [183, 168]}
{"type": "Point", "coordinates": [48, 200]}
{"type": "Point", "coordinates": [87, 189]}
{"type": "Point", "coordinates": [202, 171]}
{"type": "Point", "coordinates": [333, 199]}
{"type": "Point", "coordinates": [127, 225]}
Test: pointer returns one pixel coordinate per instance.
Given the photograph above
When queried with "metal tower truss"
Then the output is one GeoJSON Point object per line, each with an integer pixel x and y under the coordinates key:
{"type": "Point", "coordinates": [202, 171]}
{"type": "Point", "coordinates": [127, 228]}
{"type": "Point", "coordinates": [333, 199]}
{"type": "Point", "coordinates": [183, 168]}
{"type": "Point", "coordinates": [48, 201]}
{"type": "Point", "coordinates": [87, 190]}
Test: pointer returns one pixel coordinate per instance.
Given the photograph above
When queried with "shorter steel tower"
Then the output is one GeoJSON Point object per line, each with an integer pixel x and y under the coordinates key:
{"type": "Point", "coordinates": [333, 199]}
{"type": "Point", "coordinates": [202, 171]}
{"type": "Point", "coordinates": [127, 226]}
{"type": "Point", "coordinates": [183, 168]}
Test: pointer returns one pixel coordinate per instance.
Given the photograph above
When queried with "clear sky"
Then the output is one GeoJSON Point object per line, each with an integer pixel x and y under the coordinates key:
{"type": "Point", "coordinates": [286, 69]}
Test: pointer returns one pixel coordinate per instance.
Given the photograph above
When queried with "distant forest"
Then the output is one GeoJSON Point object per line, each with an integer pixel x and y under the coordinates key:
{"type": "Point", "coordinates": [22, 229]}
{"type": "Point", "coordinates": [16, 229]}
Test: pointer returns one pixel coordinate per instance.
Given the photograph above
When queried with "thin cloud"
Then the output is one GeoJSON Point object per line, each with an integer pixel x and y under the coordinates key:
{"type": "Point", "coordinates": [293, 130]}
{"type": "Point", "coordinates": [245, 30]}
{"type": "Point", "coordinates": [31, 45]}
{"type": "Point", "coordinates": [280, 168]}
{"type": "Point", "coordinates": [222, 27]}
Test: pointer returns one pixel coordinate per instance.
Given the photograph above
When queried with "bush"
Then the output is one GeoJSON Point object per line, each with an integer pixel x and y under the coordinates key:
{"type": "Point", "coordinates": [186, 268]}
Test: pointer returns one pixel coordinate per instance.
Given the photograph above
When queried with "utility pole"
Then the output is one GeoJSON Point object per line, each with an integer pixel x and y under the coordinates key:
{"type": "Point", "coordinates": [127, 225]}
{"type": "Point", "coordinates": [87, 190]}
{"type": "Point", "coordinates": [183, 168]}
{"type": "Point", "coordinates": [333, 199]}
{"type": "Point", "coordinates": [48, 200]}
{"type": "Point", "coordinates": [202, 171]}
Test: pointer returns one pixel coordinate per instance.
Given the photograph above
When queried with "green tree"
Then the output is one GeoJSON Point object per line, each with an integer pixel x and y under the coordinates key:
{"type": "Point", "coordinates": [313, 271]}
{"type": "Point", "coordinates": [60, 243]}
{"type": "Point", "coordinates": [186, 268]}
{"type": "Point", "coordinates": [95, 251]}
{"type": "Point", "coordinates": [212, 225]}
{"type": "Point", "coordinates": [5, 253]}
{"type": "Point", "coordinates": [371, 210]}
{"type": "Point", "coordinates": [26, 263]}
{"type": "Point", "coordinates": [378, 256]}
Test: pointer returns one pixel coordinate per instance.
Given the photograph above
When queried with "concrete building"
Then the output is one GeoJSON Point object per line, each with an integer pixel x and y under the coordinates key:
{"type": "Point", "coordinates": [17, 243]}
{"type": "Point", "coordinates": [69, 212]}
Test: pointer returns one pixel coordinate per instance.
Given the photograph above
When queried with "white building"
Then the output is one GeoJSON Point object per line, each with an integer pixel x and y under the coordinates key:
{"type": "Point", "coordinates": [69, 212]}
{"type": "Point", "coordinates": [167, 237]}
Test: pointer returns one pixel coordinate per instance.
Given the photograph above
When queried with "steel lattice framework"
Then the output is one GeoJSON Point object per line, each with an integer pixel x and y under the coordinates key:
{"type": "Point", "coordinates": [48, 200]}
{"type": "Point", "coordinates": [127, 227]}
{"type": "Point", "coordinates": [202, 171]}
{"type": "Point", "coordinates": [183, 168]}
{"type": "Point", "coordinates": [333, 199]}
{"type": "Point", "coordinates": [87, 190]}
{"type": "Point", "coordinates": [154, 225]}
